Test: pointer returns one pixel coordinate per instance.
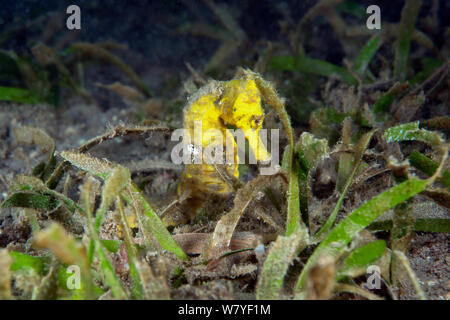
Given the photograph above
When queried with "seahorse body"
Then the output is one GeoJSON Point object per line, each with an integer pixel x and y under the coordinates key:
{"type": "Point", "coordinates": [234, 103]}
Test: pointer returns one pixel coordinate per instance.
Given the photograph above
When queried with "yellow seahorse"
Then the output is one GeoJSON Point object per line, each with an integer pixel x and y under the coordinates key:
{"type": "Point", "coordinates": [215, 106]}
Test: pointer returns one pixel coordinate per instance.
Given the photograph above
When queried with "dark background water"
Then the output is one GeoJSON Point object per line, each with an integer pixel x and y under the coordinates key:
{"type": "Point", "coordinates": [148, 26]}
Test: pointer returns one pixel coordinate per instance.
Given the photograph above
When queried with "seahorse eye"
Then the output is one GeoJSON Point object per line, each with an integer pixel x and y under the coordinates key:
{"type": "Point", "coordinates": [256, 121]}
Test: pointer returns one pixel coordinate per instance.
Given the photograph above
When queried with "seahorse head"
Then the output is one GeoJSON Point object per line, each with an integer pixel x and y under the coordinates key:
{"type": "Point", "coordinates": [241, 107]}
